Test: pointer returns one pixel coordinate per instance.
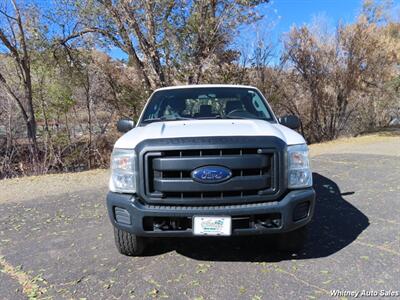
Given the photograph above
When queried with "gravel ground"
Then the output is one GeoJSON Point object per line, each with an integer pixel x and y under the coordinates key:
{"type": "Point", "coordinates": [56, 240]}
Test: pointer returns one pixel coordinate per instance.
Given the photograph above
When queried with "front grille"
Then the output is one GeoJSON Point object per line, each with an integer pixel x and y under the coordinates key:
{"type": "Point", "coordinates": [168, 179]}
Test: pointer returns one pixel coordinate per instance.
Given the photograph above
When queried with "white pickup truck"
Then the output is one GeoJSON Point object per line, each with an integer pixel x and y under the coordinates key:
{"type": "Point", "coordinates": [209, 160]}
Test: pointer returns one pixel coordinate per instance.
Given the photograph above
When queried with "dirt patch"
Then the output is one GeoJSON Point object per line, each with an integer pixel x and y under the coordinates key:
{"type": "Point", "coordinates": [383, 143]}
{"type": "Point", "coordinates": [26, 188]}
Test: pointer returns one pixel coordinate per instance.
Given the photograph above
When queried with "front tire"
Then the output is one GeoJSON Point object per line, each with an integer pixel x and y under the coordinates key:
{"type": "Point", "coordinates": [128, 243]}
{"type": "Point", "coordinates": [293, 241]}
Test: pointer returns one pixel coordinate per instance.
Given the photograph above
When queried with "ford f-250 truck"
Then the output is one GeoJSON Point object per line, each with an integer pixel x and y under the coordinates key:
{"type": "Point", "coordinates": [209, 160]}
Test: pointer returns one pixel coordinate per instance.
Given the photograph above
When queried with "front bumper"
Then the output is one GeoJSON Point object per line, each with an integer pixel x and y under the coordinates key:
{"type": "Point", "coordinates": [138, 211]}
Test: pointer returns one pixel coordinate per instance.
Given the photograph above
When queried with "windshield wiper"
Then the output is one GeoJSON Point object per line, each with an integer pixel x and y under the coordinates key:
{"type": "Point", "coordinates": [239, 117]}
{"type": "Point", "coordinates": [161, 119]}
{"type": "Point", "coordinates": [234, 117]}
{"type": "Point", "coordinates": [209, 118]}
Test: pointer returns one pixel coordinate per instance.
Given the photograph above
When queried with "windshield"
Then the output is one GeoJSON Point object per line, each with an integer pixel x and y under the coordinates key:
{"type": "Point", "coordinates": [206, 103]}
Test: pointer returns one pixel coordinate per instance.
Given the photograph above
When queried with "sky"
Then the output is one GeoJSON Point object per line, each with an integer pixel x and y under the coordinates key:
{"type": "Point", "coordinates": [281, 15]}
{"type": "Point", "coordinates": [302, 11]}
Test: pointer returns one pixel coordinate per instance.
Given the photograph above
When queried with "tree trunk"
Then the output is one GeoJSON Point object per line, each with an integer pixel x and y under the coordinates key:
{"type": "Point", "coordinates": [33, 145]}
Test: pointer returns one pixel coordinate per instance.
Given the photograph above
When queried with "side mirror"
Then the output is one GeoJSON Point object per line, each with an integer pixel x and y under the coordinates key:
{"type": "Point", "coordinates": [293, 122]}
{"type": "Point", "coordinates": [124, 125]}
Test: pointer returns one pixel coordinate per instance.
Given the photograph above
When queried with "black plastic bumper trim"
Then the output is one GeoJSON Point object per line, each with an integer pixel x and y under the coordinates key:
{"type": "Point", "coordinates": [138, 211]}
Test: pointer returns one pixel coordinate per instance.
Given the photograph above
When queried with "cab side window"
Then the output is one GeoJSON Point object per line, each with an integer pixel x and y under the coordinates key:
{"type": "Point", "coordinates": [260, 106]}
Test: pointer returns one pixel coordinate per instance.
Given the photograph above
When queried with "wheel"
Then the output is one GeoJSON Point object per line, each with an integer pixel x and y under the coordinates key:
{"type": "Point", "coordinates": [128, 243]}
{"type": "Point", "coordinates": [292, 241]}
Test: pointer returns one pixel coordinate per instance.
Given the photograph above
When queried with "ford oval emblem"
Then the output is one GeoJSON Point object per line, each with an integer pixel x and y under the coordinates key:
{"type": "Point", "coordinates": [211, 174]}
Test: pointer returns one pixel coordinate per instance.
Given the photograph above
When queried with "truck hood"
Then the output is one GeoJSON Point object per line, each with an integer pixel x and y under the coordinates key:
{"type": "Point", "coordinates": [207, 128]}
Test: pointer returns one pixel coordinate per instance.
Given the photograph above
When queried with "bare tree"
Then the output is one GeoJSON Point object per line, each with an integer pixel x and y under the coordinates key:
{"type": "Point", "coordinates": [335, 70]}
{"type": "Point", "coordinates": [13, 38]}
{"type": "Point", "coordinates": [159, 36]}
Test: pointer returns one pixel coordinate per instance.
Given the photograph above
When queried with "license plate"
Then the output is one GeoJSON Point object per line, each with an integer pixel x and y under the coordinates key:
{"type": "Point", "coordinates": [212, 225]}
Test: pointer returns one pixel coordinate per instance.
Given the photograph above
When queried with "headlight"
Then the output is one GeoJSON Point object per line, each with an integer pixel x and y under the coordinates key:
{"type": "Point", "coordinates": [299, 173]}
{"type": "Point", "coordinates": [123, 171]}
